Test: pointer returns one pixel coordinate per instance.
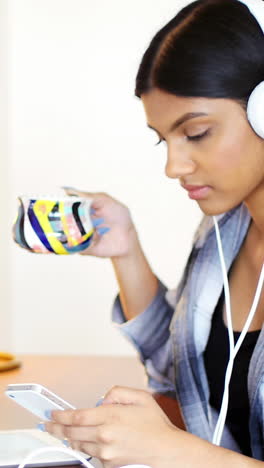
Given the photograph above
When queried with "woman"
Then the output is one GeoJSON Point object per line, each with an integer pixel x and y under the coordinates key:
{"type": "Point", "coordinates": [195, 80]}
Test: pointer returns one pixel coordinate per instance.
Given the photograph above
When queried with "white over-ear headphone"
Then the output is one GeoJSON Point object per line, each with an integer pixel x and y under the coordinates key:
{"type": "Point", "coordinates": [255, 107]}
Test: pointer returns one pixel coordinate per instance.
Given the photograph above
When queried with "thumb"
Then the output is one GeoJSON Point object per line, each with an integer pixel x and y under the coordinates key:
{"type": "Point", "coordinates": [127, 396]}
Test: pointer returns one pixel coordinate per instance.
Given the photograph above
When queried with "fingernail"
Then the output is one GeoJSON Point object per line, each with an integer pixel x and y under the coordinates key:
{"type": "Point", "coordinates": [100, 402]}
{"type": "Point", "coordinates": [47, 414]}
{"type": "Point", "coordinates": [92, 211]}
{"type": "Point", "coordinates": [103, 230]}
{"type": "Point", "coordinates": [41, 427]}
{"type": "Point", "coordinates": [97, 221]}
{"type": "Point", "coordinates": [65, 442]}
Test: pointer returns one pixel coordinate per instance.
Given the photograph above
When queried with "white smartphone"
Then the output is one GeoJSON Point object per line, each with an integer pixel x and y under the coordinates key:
{"type": "Point", "coordinates": [37, 399]}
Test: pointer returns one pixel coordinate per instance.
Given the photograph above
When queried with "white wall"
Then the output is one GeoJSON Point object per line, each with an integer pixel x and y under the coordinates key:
{"type": "Point", "coordinates": [5, 291]}
{"type": "Point", "coordinates": [76, 122]}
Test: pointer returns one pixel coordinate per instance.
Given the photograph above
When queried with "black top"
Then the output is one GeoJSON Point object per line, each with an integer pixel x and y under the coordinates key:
{"type": "Point", "coordinates": [216, 358]}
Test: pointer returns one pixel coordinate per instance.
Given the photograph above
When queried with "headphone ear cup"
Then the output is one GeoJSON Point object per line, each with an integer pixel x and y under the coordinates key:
{"type": "Point", "coordinates": [255, 109]}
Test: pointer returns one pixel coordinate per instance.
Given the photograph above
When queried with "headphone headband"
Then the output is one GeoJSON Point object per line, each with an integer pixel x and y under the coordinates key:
{"type": "Point", "coordinates": [255, 106]}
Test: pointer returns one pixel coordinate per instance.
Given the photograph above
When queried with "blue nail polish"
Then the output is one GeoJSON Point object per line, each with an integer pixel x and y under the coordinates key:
{"type": "Point", "coordinates": [47, 414]}
{"type": "Point", "coordinates": [99, 402]}
{"type": "Point", "coordinates": [66, 443]}
{"type": "Point", "coordinates": [103, 230]}
{"type": "Point", "coordinates": [92, 211]}
{"type": "Point", "coordinates": [41, 427]}
{"type": "Point", "coordinates": [97, 221]}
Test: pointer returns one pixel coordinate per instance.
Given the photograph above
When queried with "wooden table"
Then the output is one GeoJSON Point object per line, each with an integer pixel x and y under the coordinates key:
{"type": "Point", "coordinates": [81, 380]}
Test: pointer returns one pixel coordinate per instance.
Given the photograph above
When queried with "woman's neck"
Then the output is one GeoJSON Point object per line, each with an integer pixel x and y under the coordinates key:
{"type": "Point", "coordinates": [255, 206]}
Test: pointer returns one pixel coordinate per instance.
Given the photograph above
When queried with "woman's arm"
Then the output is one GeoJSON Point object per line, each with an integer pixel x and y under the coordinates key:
{"type": "Point", "coordinates": [116, 238]}
{"type": "Point", "coordinates": [130, 428]}
{"type": "Point", "coordinates": [137, 283]}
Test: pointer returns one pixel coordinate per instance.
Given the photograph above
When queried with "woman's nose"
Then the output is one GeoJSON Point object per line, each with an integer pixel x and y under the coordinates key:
{"type": "Point", "coordinates": [178, 165]}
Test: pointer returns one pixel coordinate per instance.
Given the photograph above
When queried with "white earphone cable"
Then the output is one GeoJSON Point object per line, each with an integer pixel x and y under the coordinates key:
{"type": "Point", "coordinates": [226, 286]}
{"type": "Point", "coordinates": [233, 349]}
{"type": "Point", "coordinates": [224, 404]}
{"type": "Point", "coordinates": [65, 450]}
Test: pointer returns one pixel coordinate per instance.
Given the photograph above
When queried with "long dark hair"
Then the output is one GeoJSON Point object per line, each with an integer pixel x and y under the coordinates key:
{"type": "Point", "coordinates": [211, 48]}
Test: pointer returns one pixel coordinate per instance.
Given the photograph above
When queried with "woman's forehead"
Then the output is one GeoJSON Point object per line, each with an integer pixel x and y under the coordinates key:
{"type": "Point", "coordinates": [160, 105]}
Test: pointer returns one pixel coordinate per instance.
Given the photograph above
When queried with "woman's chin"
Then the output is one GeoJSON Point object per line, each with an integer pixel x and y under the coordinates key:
{"type": "Point", "coordinates": [214, 209]}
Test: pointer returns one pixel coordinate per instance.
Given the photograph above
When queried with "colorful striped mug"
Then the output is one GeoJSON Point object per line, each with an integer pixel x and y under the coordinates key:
{"type": "Point", "coordinates": [53, 225]}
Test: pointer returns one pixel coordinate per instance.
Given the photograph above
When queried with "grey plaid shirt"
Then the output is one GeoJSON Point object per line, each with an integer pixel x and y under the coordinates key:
{"type": "Point", "coordinates": [171, 334]}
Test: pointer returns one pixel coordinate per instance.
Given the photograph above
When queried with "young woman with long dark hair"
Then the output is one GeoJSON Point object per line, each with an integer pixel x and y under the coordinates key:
{"type": "Point", "coordinates": [198, 82]}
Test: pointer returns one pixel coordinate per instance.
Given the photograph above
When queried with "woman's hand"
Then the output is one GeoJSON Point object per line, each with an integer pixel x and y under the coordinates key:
{"type": "Point", "coordinates": [128, 428]}
{"type": "Point", "coordinates": [114, 230]}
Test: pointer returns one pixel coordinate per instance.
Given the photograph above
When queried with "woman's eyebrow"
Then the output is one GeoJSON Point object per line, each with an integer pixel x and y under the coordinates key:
{"type": "Point", "coordinates": [182, 119]}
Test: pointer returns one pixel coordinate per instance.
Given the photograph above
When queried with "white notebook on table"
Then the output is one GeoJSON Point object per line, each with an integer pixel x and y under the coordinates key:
{"type": "Point", "coordinates": [15, 445]}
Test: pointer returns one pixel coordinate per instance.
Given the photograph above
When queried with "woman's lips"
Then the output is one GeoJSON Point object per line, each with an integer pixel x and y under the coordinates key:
{"type": "Point", "coordinates": [197, 192]}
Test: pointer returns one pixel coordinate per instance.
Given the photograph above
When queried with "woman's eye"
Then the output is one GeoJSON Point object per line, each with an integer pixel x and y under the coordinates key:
{"type": "Point", "coordinates": [198, 137]}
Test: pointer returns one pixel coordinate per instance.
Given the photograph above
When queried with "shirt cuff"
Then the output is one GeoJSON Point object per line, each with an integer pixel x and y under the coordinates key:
{"type": "Point", "coordinates": [148, 330]}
